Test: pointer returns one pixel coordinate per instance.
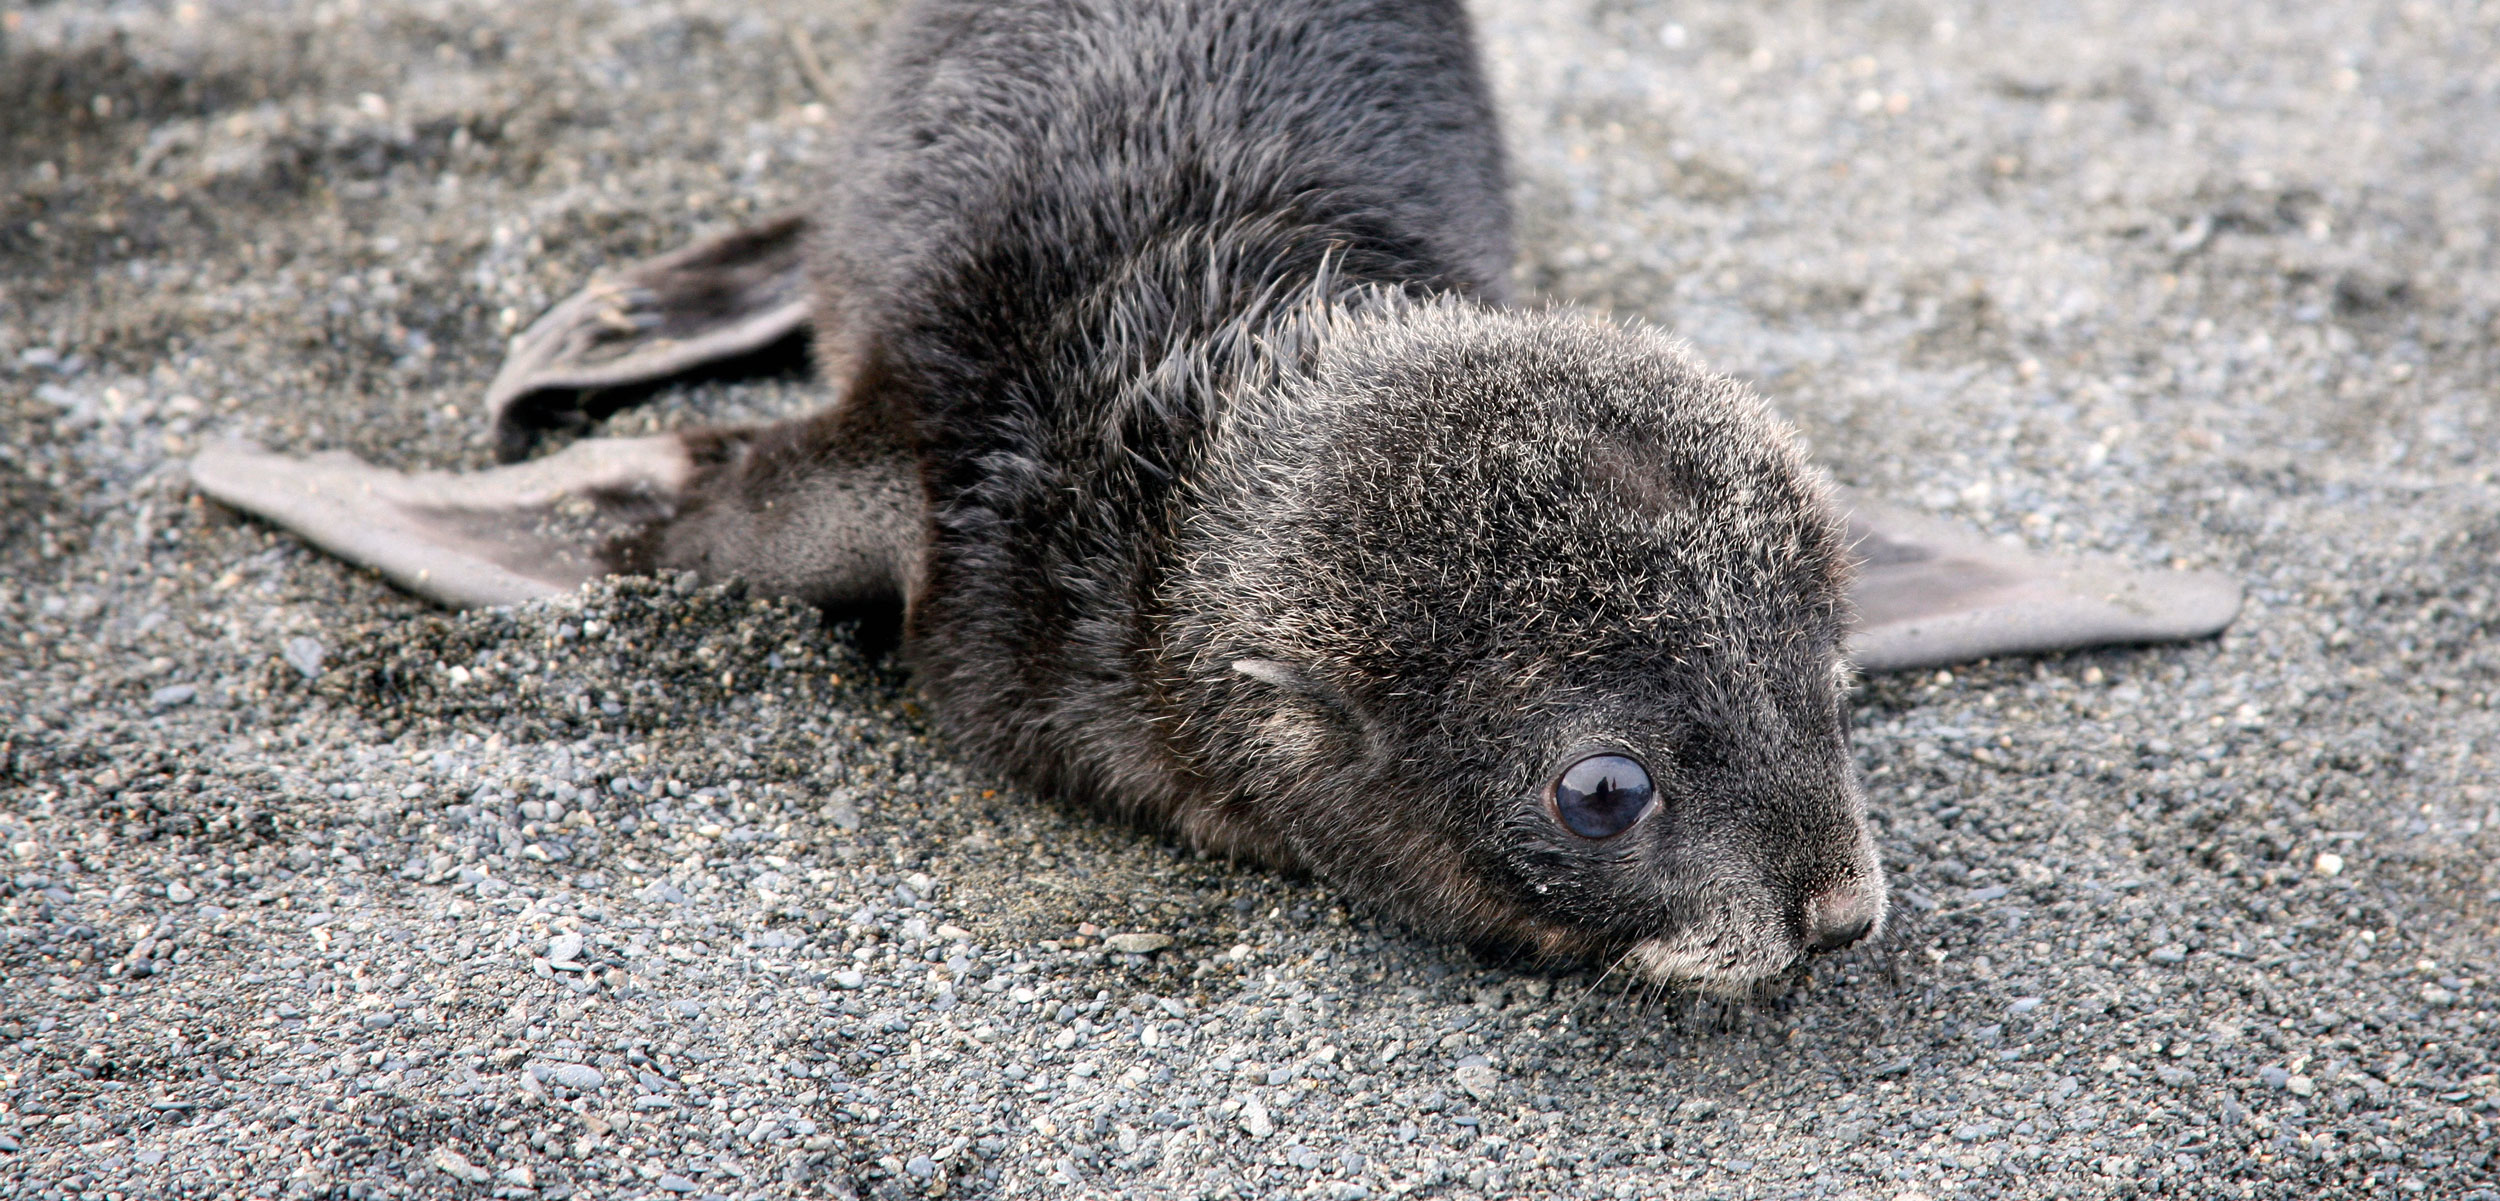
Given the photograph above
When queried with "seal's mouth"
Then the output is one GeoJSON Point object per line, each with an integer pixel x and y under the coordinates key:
{"type": "Point", "coordinates": [1718, 971]}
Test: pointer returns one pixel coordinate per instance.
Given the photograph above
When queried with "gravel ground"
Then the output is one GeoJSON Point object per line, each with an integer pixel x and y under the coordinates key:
{"type": "Point", "coordinates": [656, 892]}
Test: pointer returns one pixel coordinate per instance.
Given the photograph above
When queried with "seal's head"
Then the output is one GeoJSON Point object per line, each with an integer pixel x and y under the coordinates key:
{"type": "Point", "coordinates": [1528, 627]}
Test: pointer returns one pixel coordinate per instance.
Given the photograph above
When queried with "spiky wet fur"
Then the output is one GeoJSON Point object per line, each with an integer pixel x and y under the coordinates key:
{"type": "Point", "coordinates": [1473, 543]}
{"type": "Point", "coordinates": [1252, 512]}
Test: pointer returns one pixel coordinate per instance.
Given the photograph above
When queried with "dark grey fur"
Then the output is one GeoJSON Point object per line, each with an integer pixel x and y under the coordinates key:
{"type": "Point", "coordinates": [1181, 408]}
{"type": "Point", "coordinates": [1188, 314]}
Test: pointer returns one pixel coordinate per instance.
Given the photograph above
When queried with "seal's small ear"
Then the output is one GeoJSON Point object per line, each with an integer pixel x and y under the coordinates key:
{"type": "Point", "coordinates": [1270, 671]}
{"type": "Point", "coordinates": [710, 306]}
{"type": "Point", "coordinates": [1332, 707]}
{"type": "Point", "coordinates": [1928, 595]}
{"type": "Point", "coordinates": [489, 538]}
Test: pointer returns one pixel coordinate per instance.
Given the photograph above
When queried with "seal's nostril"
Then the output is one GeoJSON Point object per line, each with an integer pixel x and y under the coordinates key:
{"type": "Point", "coordinates": [1833, 938]}
{"type": "Point", "coordinates": [1841, 916]}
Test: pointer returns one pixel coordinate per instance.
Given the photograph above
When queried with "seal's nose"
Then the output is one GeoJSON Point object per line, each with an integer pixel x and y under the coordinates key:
{"type": "Point", "coordinates": [1841, 915]}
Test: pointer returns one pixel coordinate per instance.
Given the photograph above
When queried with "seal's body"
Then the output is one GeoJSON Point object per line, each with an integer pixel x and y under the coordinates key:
{"type": "Point", "coordinates": [1179, 404]}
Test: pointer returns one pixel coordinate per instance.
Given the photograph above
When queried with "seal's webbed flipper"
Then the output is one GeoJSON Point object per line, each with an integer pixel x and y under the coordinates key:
{"type": "Point", "coordinates": [1928, 595]}
{"type": "Point", "coordinates": [465, 540]}
{"type": "Point", "coordinates": [825, 508]}
{"type": "Point", "coordinates": [738, 296]}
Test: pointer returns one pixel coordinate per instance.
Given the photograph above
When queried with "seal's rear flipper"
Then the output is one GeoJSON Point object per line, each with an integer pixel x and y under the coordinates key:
{"type": "Point", "coordinates": [736, 297]}
{"type": "Point", "coordinates": [825, 508]}
{"type": "Point", "coordinates": [1928, 595]}
{"type": "Point", "coordinates": [489, 538]}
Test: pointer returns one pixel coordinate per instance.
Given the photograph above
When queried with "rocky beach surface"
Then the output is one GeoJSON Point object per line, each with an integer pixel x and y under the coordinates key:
{"type": "Point", "coordinates": [309, 890]}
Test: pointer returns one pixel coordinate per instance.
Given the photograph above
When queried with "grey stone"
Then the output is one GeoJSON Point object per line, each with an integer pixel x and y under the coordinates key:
{"type": "Point", "coordinates": [842, 809]}
{"type": "Point", "coordinates": [1479, 1079]}
{"type": "Point", "coordinates": [458, 1167]}
{"type": "Point", "coordinates": [303, 653]}
{"type": "Point", "coordinates": [660, 892]}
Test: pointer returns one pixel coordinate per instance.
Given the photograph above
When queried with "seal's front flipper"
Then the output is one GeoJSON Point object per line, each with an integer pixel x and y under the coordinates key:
{"type": "Point", "coordinates": [738, 297]}
{"type": "Point", "coordinates": [1928, 595]}
{"type": "Point", "coordinates": [465, 540]}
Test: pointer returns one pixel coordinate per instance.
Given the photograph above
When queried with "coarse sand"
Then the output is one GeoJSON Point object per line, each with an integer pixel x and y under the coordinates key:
{"type": "Point", "coordinates": [307, 890]}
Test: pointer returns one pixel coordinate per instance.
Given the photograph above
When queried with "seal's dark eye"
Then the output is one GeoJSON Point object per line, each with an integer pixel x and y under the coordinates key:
{"type": "Point", "coordinates": [1602, 795]}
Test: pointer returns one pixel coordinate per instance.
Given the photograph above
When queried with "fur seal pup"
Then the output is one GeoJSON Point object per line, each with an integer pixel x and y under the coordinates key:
{"type": "Point", "coordinates": [1178, 402]}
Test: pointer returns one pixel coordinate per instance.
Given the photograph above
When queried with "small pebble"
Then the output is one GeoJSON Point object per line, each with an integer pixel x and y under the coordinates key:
{"type": "Point", "coordinates": [660, 892]}
{"type": "Point", "coordinates": [458, 1167]}
{"type": "Point", "coordinates": [304, 654]}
